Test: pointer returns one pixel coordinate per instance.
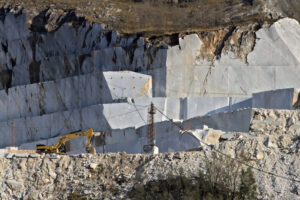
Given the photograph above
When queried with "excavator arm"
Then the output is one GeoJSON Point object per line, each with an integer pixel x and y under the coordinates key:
{"type": "Point", "coordinates": [63, 139]}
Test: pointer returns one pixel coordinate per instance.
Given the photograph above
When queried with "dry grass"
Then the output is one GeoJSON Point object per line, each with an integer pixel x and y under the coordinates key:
{"type": "Point", "coordinates": [154, 17]}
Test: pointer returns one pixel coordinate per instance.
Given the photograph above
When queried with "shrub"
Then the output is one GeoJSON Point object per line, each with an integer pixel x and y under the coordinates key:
{"type": "Point", "coordinates": [247, 189]}
{"type": "Point", "coordinates": [221, 179]}
{"type": "Point", "coordinates": [76, 196]}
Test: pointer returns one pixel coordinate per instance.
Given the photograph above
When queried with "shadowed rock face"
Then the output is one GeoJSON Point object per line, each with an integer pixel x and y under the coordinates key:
{"type": "Point", "coordinates": [288, 8]}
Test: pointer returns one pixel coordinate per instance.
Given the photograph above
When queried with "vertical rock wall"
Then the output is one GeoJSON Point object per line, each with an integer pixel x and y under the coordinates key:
{"type": "Point", "coordinates": [56, 76]}
{"type": "Point", "coordinates": [234, 62]}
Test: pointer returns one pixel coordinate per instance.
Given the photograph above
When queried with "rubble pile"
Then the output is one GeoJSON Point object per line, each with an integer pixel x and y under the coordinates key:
{"type": "Point", "coordinates": [113, 175]}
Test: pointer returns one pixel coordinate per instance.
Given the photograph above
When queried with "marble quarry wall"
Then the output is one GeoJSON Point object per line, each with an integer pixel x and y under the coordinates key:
{"type": "Point", "coordinates": [113, 116]}
{"type": "Point", "coordinates": [129, 118]}
{"type": "Point", "coordinates": [189, 66]}
{"type": "Point", "coordinates": [169, 139]}
{"type": "Point", "coordinates": [87, 76]}
{"type": "Point", "coordinates": [277, 99]}
{"type": "Point", "coordinates": [72, 92]}
{"type": "Point", "coordinates": [272, 64]}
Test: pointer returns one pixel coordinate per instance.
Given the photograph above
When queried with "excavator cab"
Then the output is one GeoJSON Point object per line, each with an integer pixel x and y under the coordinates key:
{"type": "Point", "coordinates": [41, 148]}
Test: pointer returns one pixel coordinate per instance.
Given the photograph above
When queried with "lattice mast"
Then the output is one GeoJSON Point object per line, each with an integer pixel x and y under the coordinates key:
{"type": "Point", "coordinates": [151, 128]}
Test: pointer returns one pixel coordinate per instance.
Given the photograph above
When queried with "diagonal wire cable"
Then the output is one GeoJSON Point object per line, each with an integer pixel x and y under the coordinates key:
{"type": "Point", "coordinates": [237, 160]}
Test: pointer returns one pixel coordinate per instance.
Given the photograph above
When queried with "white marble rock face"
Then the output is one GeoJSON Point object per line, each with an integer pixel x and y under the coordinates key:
{"type": "Point", "coordinates": [119, 118]}
{"type": "Point", "coordinates": [176, 71]}
{"type": "Point", "coordinates": [132, 139]}
{"type": "Point", "coordinates": [71, 79]}
{"type": "Point", "coordinates": [114, 117]}
{"type": "Point", "coordinates": [71, 93]}
{"type": "Point", "coordinates": [273, 64]}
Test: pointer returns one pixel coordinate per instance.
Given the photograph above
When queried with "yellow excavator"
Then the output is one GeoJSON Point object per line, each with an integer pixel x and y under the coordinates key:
{"type": "Point", "coordinates": [60, 147]}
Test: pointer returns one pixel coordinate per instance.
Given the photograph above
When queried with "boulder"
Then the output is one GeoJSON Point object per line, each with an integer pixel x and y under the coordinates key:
{"type": "Point", "coordinates": [52, 156]}
{"type": "Point", "coordinates": [227, 136]}
{"type": "Point", "coordinates": [208, 136]}
{"type": "Point", "coordinates": [9, 155]}
{"type": "Point", "coordinates": [270, 143]}
{"type": "Point", "coordinates": [284, 141]}
{"type": "Point", "coordinates": [34, 155]}
{"type": "Point", "coordinates": [21, 155]}
{"type": "Point", "coordinates": [14, 185]}
{"type": "Point", "coordinates": [93, 166]}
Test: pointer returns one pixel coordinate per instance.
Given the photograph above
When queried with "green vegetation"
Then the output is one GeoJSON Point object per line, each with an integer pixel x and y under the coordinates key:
{"type": "Point", "coordinates": [76, 196]}
{"type": "Point", "coordinates": [247, 189]}
{"type": "Point", "coordinates": [221, 179]}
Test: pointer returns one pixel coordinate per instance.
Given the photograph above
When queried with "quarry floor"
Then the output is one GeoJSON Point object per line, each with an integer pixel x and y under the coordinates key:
{"type": "Point", "coordinates": [114, 175]}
